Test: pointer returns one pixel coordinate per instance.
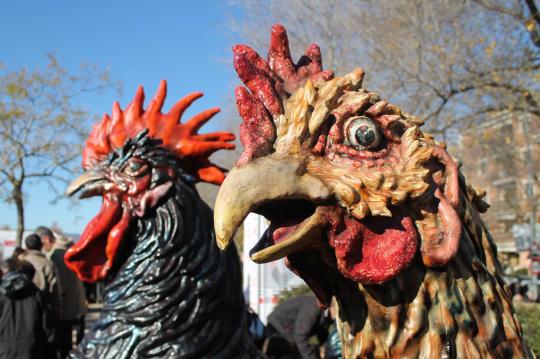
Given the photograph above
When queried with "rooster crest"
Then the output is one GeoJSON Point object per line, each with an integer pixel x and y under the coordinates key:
{"type": "Point", "coordinates": [179, 138]}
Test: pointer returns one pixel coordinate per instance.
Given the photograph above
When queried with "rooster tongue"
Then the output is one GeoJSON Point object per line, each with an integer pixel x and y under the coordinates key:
{"type": "Point", "coordinates": [92, 256]}
{"type": "Point", "coordinates": [375, 249]}
{"type": "Point", "coordinates": [285, 237]}
{"type": "Point", "coordinates": [274, 234]}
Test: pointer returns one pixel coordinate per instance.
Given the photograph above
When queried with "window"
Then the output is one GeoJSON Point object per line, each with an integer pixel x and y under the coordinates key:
{"type": "Point", "coordinates": [508, 193]}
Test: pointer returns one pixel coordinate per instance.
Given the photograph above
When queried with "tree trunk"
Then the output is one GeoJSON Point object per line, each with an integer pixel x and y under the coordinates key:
{"type": "Point", "coordinates": [18, 199]}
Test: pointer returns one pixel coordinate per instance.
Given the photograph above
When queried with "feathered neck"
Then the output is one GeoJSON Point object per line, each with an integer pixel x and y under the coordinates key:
{"type": "Point", "coordinates": [463, 310]}
{"type": "Point", "coordinates": [175, 295]}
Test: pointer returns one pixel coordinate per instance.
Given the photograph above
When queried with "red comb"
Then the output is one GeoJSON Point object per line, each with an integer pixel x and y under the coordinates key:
{"type": "Point", "coordinates": [181, 139]}
{"type": "Point", "coordinates": [268, 83]}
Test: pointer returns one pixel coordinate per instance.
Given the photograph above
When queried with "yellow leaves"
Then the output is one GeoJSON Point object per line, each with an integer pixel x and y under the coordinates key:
{"type": "Point", "coordinates": [490, 48]}
{"type": "Point", "coordinates": [46, 147]}
{"type": "Point", "coordinates": [60, 119]}
{"type": "Point", "coordinates": [530, 25]}
{"type": "Point", "coordinates": [496, 77]}
{"type": "Point", "coordinates": [11, 114]}
{"type": "Point", "coordinates": [16, 90]}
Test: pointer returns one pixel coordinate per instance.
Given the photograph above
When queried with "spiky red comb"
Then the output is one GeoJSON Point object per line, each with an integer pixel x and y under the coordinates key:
{"type": "Point", "coordinates": [181, 139]}
{"type": "Point", "coordinates": [269, 82]}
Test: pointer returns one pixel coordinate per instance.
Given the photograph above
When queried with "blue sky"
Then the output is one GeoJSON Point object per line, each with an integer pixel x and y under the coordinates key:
{"type": "Point", "coordinates": [141, 42]}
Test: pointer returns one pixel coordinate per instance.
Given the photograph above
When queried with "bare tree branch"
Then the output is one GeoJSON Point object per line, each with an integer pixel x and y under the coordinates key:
{"type": "Point", "coordinates": [40, 126]}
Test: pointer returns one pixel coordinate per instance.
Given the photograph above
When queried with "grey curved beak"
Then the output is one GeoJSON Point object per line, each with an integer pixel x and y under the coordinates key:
{"type": "Point", "coordinates": [91, 183]}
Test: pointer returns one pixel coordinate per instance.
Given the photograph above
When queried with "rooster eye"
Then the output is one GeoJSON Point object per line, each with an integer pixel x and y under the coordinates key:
{"type": "Point", "coordinates": [134, 168]}
{"type": "Point", "coordinates": [362, 133]}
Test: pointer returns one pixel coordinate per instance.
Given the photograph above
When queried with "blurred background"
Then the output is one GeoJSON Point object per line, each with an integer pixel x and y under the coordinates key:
{"type": "Point", "coordinates": [468, 68]}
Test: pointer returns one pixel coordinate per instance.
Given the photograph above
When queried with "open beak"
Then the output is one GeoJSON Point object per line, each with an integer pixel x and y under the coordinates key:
{"type": "Point", "coordinates": [258, 184]}
{"type": "Point", "coordinates": [300, 239]}
{"type": "Point", "coordinates": [91, 183]}
{"type": "Point", "coordinates": [93, 255]}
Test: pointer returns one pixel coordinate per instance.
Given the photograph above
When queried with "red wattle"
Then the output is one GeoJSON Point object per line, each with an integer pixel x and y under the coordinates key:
{"type": "Point", "coordinates": [375, 249]}
{"type": "Point", "coordinates": [116, 235]}
{"type": "Point", "coordinates": [88, 258]}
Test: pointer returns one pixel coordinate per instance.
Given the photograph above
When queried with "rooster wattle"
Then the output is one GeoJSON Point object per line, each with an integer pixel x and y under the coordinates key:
{"type": "Point", "coordinates": [366, 208]}
{"type": "Point", "coordinates": [169, 291]}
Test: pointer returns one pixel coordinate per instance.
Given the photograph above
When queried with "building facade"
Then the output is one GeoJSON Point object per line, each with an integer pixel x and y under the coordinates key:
{"type": "Point", "coordinates": [501, 156]}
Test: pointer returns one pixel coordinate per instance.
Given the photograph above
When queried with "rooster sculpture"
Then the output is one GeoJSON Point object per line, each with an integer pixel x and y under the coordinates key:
{"type": "Point", "coordinates": [366, 208]}
{"type": "Point", "coordinates": [169, 291]}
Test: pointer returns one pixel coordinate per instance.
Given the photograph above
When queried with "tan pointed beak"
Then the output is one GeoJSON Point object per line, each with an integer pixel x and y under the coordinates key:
{"type": "Point", "coordinates": [90, 183]}
{"type": "Point", "coordinates": [262, 180]}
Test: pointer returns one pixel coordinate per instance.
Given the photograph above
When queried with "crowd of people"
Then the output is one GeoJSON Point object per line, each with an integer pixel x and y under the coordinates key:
{"type": "Point", "coordinates": [43, 307]}
{"type": "Point", "coordinates": [42, 302]}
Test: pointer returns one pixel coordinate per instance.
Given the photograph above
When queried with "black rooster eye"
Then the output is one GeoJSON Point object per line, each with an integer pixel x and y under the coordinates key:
{"type": "Point", "coordinates": [362, 133]}
{"type": "Point", "coordinates": [134, 168]}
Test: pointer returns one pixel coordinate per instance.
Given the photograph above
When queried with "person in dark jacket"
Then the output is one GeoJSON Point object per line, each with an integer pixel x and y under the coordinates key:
{"type": "Point", "coordinates": [23, 328]}
{"type": "Point", "coordinates": [296, 320]}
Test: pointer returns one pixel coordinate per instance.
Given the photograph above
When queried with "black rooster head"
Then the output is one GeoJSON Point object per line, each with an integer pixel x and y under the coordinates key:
{"type": "Point", "coordinates": [132, 160]}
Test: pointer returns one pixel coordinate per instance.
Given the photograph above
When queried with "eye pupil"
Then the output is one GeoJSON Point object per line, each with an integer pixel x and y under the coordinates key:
{"type": "Point", "coordinates": [133, 167]}
{"type": "Point", "coordinates": [362, 133]}
{"type": "Point", "coordinates": [365, 136]}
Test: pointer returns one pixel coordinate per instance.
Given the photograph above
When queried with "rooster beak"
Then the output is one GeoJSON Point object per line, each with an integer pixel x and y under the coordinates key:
{"type": "Point", "coordinates": [91, 183]}
{"type": "Point", "coordinates": [260, 181]}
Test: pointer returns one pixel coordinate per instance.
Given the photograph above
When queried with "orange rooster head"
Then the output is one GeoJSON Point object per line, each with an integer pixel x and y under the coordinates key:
{"type": "Point", "coordinates": [132, 160]}
{"type": "Point", "coordinates": [347, 181]}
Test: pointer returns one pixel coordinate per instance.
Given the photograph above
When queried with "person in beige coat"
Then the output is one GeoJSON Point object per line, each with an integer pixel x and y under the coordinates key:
{"type": "Point", "coordinates": [47, 281]}
{"type": "Point", "coordinates": [73, 297]}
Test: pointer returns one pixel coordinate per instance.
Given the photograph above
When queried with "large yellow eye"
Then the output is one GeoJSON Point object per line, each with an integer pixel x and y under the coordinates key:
{"type": "Point", "coordinates": [362, 133]}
